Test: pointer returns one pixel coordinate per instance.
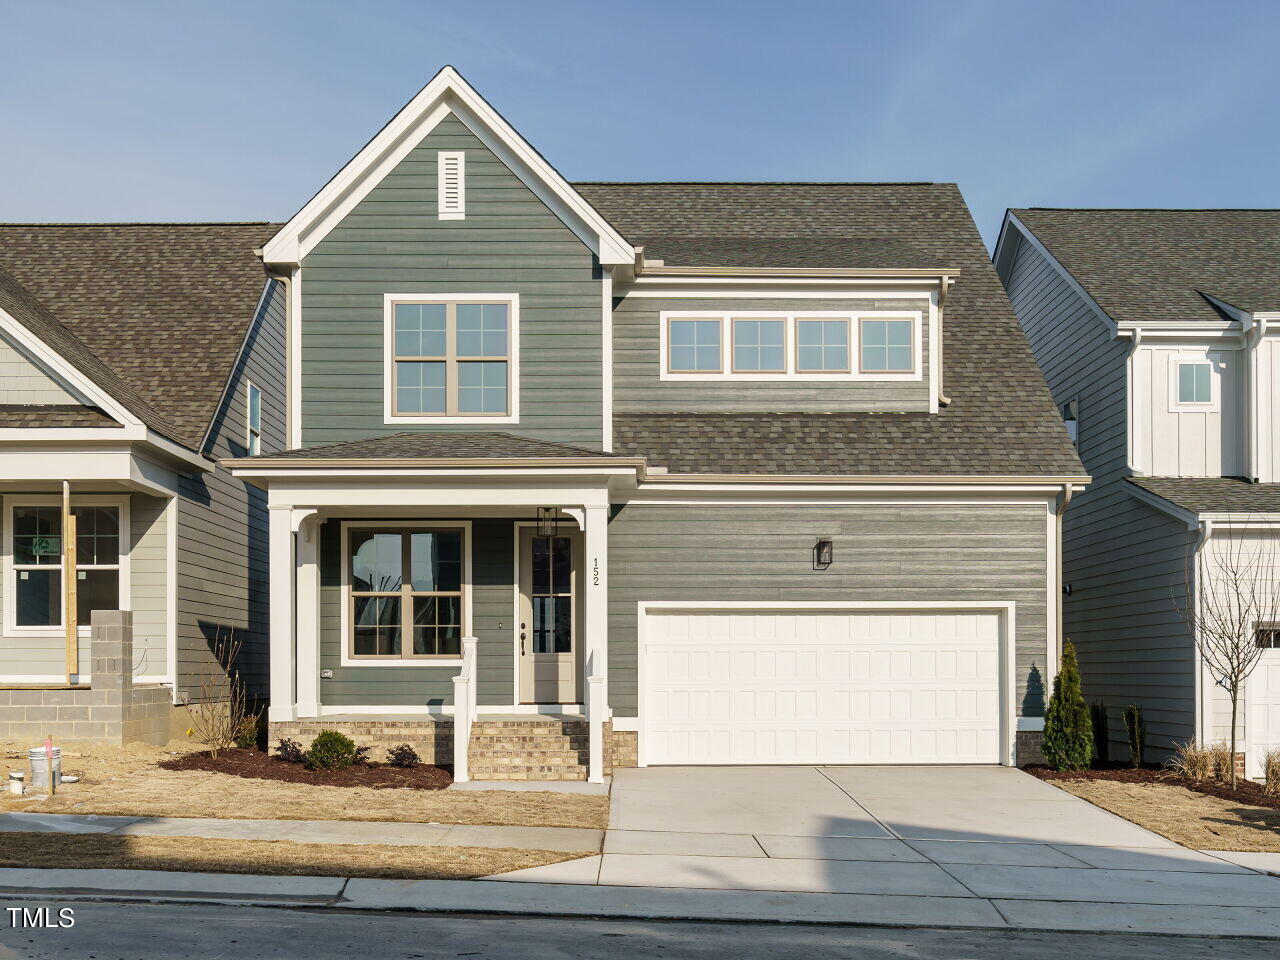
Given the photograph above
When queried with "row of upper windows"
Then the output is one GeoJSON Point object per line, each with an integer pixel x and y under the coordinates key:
{"type": "Point", "coordinates": [813, 344]}
{"type": "Point", "coordinates": [454, 358]}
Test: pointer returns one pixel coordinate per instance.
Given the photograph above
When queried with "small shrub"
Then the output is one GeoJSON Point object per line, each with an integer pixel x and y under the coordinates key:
{"type": "Point", "coordinates": [1271, 773]}
{"type": "Point", "coordinates": [1137, 731]}
{"type": "Point", "coordinates": [290, 751]}
{"type": "Point", "coordinates": [362, 754]}
{"type": "Point", "coordinates": [331, 750]}
{"type": "Point", "coordinates": [1192, 761]}
{"type": "Point", "coordinates": [1068, 734]}
{"type": "Point", "coordinates": [1101, 732]}
{"type": "Point", "coordinates": [1220, 754]}
{"type": "Point", "coordinates": [247, 733]}
{"type": "Point", "coordinates": [403, 756]}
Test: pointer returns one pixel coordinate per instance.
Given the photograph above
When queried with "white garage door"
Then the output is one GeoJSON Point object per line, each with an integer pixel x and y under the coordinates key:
{"type": "Point", "coordinates": [821, 686]}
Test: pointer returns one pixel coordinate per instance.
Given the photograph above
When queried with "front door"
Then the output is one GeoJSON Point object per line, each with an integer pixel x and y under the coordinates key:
{"type": "Point", "coordinates": [549, 617]}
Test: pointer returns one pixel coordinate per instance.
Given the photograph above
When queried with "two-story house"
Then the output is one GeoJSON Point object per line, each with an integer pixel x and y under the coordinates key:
{"type": "Point", "coordinates": [582, 474]}
{"type": "Point", "coordinates": [1158, 333]}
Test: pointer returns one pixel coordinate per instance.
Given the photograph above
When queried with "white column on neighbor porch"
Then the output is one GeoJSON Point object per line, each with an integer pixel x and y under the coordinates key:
{"type": "Point", "coordinates": [307, 616]}
{"type": "Point", "coordinates": [280, 532]}
{"type": "Point", "coordinates": [596, 634]}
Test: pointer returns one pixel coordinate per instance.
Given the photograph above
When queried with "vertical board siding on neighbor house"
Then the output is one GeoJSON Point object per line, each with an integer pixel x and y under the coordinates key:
{"type": "Point", "coordinates": [509, 242]}
{"type": "Point", "coordinates": [23, 381]}
{"type": "Point", "coordinates": [147, 545]}
{"type": "Point", "coordinates": [222, 522]}
{"type": "Point", "coordinates": [1123, 560]}
{"type": "Point", "coordinates": [908, 553]}
{"type": "Point", "coordinates": [493, 616]}
{"type": "Point", "coordinates": [638, 364]}
{"type": "Point", "coordinates": [1268, 470]}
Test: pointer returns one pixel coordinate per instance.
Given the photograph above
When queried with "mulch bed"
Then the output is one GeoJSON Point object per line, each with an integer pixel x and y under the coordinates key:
{"type": "Point", "coordinates": [1246, 791]}
{"type": "Point", "coordinates": [257, 765]}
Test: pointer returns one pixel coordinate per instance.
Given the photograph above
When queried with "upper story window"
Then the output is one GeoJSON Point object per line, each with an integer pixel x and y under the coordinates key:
{"type": "Point", "coordinates": [451, 359]}
{"type": "Point", "coordinates": [821, 345]}
{"type": "Point", "coordinates": [253, 419]}
{"type": "Point", "coordinates": [1267, 636]}
{"type": "Point", "coordinates": [1071, 419]}
{"type": "Point", "coordinates": [1194, 384]}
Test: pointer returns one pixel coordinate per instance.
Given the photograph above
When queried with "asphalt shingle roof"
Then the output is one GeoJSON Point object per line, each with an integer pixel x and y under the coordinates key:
{"type": "Point", "coordinates": [436, 446]}
{"type": "Point", "coordinates": [1214, 494]}
{"type": "Point", "coordinates": [1145, 265]}
{"type": "Point", "coordinates": [52, 415]}
{"type": "Point", "coordinates": [1001, 421]}
{"type": "Point", "coordinates": [163, 306]}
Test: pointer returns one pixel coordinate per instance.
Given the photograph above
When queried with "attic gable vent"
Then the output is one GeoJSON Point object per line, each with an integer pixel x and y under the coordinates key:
{"type": "Point", "coordinates": [451, 187]}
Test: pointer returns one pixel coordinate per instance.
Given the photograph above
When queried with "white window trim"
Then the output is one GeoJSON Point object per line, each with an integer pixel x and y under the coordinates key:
{"type": "Point", "coordinates": [347, 660]}
{"type": "Point", "coordinates": [249, 431]}
{"type": "Point", "coordinates": [388, 354]}
{"type": "Point", "coordinates": [790, 317]}
{"type": "Point", "coordinates": [11, 629]}
{"type": "Point", "coordinates": [1216, 363]}
{"type": "Point", "coordinates": [445, 211]}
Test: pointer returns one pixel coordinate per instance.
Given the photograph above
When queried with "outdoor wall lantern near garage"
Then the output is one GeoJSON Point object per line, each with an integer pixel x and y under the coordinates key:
{"type": "Point", "coordinates": [822, 552]}
{"type": "Point", "coordinates": [548, 522]}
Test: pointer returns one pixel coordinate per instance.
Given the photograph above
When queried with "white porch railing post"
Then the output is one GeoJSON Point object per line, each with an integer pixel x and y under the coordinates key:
{"type": "Point", "coordinates": [307, 619]}
{"type": "Point", "coordinates": [464, 710]}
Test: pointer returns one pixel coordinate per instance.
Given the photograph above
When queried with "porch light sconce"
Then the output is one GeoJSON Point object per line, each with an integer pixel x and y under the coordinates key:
{"type": "Point", "coordinates": [822, 553]}
{"type": "Point", "coordinates": [548, 522]}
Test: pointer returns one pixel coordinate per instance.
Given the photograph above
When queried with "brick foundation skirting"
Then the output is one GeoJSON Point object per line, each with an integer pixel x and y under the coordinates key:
{"type": "Point", "coordinates": [1027, 747]}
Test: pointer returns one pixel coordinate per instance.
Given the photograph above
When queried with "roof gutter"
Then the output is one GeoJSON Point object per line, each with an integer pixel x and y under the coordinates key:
{"type": "Point", "coordinates": [651, 476]}
{"type": "Point", "coordinates": [944, 284]}
{"type": "Point", "coordinates": [649, 268]}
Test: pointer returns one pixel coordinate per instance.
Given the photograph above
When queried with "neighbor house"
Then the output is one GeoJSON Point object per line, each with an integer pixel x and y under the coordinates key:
{"type": "Point", "coordinates": [587, 474]}
{"type": "Point", "coordinates": [132, 357]}
{"type": "Point", "coordinates": [1159, 334]}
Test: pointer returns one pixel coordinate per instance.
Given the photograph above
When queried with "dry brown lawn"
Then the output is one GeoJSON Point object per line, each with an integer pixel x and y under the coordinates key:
{"type": "Point", "coordinates": [273, 857]}
{"type": "Point", "coordinates": [1184, 816]}
{"type": "Point", "coordinates": [124, 781]}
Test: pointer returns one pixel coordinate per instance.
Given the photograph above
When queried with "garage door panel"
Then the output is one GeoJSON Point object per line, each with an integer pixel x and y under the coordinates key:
{"type": "Point", "coordinates": [822, 687]}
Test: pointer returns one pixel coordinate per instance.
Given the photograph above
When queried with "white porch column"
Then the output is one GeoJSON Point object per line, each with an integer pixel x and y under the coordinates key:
{"type": "Point", "coordinates": [280, 554]}
{"type": "Point", "coordinates": [596, 535]}
{"type": "Point", "coordinates": [308, 612]}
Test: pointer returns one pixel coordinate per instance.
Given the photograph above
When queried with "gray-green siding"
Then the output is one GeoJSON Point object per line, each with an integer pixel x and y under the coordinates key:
{"type": "Point", "coordinates": [1124, 561]}
{"type": "Point", "coordinates": [393, 242]}
{"type": "Point", "coordinates": [222, 523]}
{"type": "Point", "coordinates": [45, 657]}
{"type": "Point", "coordinates": [638, 366]}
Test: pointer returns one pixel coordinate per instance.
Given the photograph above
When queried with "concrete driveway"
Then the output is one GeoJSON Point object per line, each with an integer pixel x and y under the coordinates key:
{"type": "Point", "coordinates": [914, 844]}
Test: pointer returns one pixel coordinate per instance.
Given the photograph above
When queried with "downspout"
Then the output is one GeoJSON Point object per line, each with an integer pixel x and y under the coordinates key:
{"type": "Point", "coordinates": [1067, 491]}
{"type": "Point", "coordinates": [1136, 341]}
{"type": "Point", "coordinates": [943, 285]}
{"type": "Point", "coordinates": [1253, 400]}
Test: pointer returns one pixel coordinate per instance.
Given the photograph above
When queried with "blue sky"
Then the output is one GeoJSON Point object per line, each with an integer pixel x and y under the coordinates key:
{"type": "Point", "coordinates": [240, 111]}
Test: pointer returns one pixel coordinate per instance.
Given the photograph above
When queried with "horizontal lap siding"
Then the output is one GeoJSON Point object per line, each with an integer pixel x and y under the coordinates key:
{"type": "Point", "coordinates": [638, 366]}
{"type": "Point", "coordinates": [23, 381]}
{"type": "Point", "coordinates": [222, 567]}
{"type": "Point", "coordinates": [906, 553]}
{"type": "Point", "coordinates": [492, 621]}
{"type": "Point", "coordinates": [1124, 561]}
{"type": "Point", "coordinates": [509, 242]}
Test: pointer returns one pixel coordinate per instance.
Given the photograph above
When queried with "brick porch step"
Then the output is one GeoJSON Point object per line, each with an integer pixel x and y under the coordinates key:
{"type": "Point", "coordinates": [529, 748]}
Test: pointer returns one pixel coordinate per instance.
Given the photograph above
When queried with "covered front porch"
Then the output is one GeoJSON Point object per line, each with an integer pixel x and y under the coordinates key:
{"type": "Point", "coordinates": [459, 606]}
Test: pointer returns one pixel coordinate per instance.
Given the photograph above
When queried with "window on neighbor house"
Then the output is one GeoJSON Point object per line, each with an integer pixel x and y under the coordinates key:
{"type": "Point", "coordinates": [253, 420]}
{"type": "Point", "coordinates": [759, 345]}
{"type": "Point", "coordinates": [1195, 380]}
{"type": "Point", "coordinates": [822, 345]}
{"type": "Point", "coordinates": [1267, 636]}
{"type": "Point", "coordinates": [886, 346]}
{"type": "Point", "coordinates": [693, 346]}
{"type": "Point", "coordinates": [38, 568]}
{"type": "Point", "coordinates": [406, 593]}
{"type": "Point", "coordinates": [1071, 419]}
{"type": "Point", "coordinates": [451, 358]}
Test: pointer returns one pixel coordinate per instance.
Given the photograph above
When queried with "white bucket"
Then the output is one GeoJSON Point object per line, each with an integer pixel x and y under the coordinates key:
{"type": "Point", "coordinates": [17, 782]}
{"type": "Point", "coordinates": [39, 760]}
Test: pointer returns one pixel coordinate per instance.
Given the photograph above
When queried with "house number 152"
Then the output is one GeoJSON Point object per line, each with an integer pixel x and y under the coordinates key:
{"type": "Point", "coordinates": [595, 571]}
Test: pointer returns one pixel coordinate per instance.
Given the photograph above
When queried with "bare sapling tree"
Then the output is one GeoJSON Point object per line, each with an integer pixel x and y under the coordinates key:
{"type": "Point", "coordinates": [1232, 605]}
{"type": "Point", "coordinates": [222, 704]}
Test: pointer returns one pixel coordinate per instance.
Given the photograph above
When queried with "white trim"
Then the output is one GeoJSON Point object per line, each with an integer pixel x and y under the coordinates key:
{"type": "Point", "coordinates": [250, 388]}
{"type": "Point", "coordinates": [389, 301]}
{"type": "Point", "coordinates": [1053, 600]}
{"type": "Point", "coordinates": [1008, 643]}
{"type": "Point", "coordinates": [626, 724]}
{"type": "Point", "coordinates": [451, 208]}
{"type": "Point", "coordinates": [293, 388]}
{"type": "Point", "coordinates": [934, 367]}
{"type": "Point", "coordinates": [1178, 360]}
{"type": "Point", "coordinates": [606, 373]}
{"type": "Point", "coordinates": [784, 288]}
{"type": "Point", "coordinates": [446, 710]}
{"type": "Point", "coordinates": [344, 526]}
{"type": "Point", "coordinates": [171, 594]}
{"type": "Point", "coordinates": [11, 629]}
{"type": "Point", "coordinates": [447, 93]}
{"type": "Point", "coordinates": [790, 319]}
